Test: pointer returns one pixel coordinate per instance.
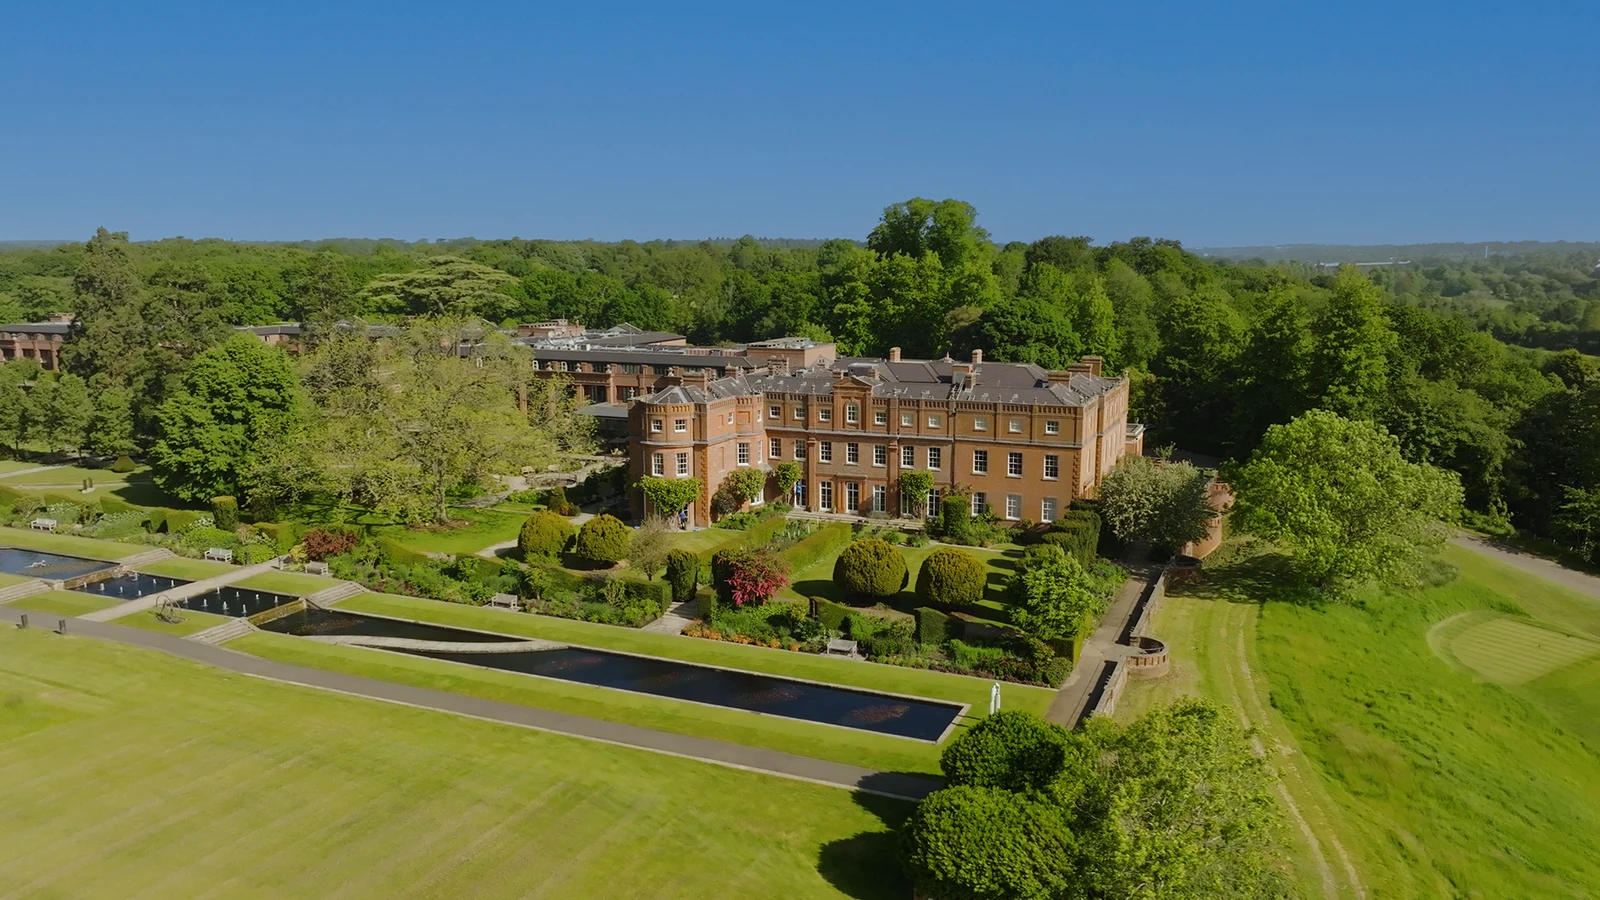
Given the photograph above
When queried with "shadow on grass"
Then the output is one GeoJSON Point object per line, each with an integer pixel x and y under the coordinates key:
{"type": "Point", "coordinates": [1253, 573]}
{"type": "Point", "coordinates": [867, 866]}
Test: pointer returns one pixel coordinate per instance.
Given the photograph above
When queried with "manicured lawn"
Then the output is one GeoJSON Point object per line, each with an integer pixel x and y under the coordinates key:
{"type": "Point", "coordinates": [816, 580]}
{"type": "Point", "coordinates": [810, 666]}
{"type": "Point", "coordinates": [704, 539]}
{"type": "Point", "coordinates": [6, 579]}
{"type": "Point", "coordinates": [137, 774]}
{"type": "Point", "coordinates": [192, 622]}
{"type": "Point", "coordinates": [188, 569]}
{"type": "Point", "coordinates": [68, 544]}
{"type": "Point", "coordinates": [489, 527]}
{"type": "Point", "coordinates": [287, 583]}
{"type": "Point", "coordinates": [15, 465]}
{"type": "Point", "coordinates": [1432, 780]}
{"type": "Point", "coordinates": [65, 603]}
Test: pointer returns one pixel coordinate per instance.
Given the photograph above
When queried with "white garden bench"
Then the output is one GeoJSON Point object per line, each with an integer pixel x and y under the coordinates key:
{"type": "Point", "coordinates": [43, 524]}
{"type": "Point", "coordinates": [220, 554]}
{"type": "Point", "coordinates": [841, 647]}
{"type": "Point", "coordinates": [316, 568]}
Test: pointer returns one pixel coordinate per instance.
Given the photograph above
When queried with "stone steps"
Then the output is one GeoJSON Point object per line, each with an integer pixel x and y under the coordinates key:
{"type": "Point", "coordinates": [146, 558]}
{"type": "Point", "coordinates": [227, 631]}
{"type": "Point", "coordinates": [25, 589]}
{"type": "Point", "coordinates": [341, 591]}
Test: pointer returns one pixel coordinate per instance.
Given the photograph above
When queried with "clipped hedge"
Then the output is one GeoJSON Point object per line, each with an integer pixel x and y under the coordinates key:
{"type": "Point", "coordinates": [820, 545]}
{"type": "Point", "coordinates": [683, 574]}
{"type": "Point", "coordinates": [156, 522]}
{"type": "Point", "coordinates": [657, 593]}
{"type": "Point", "coordinates": [179, 520]}
{"type": "Point", "coordinates": [934, 627]}
{"type": "Point", "coordinates": [395, 554]}
{"type": "Point", "coordinates": [603, 539]}
{"type": "Point", "coordinates": [950, 578]}
{"type": "Point", "coordinates": [9, 496]}
{"type": "Point", "coordinates": [123, 465]}
{"type": "Point", "coordinates": [871, 568]}
{"type": "Point", "coordinates": [544, 535]}
{"type": "Point", "coordinates": [829, 613]}
{"type": "Point", "coordinates": [1010, 750]}
{"type": "Point", "coordinates": [112, 506]}
{"type": "Point", "coordinates": [225, 512]}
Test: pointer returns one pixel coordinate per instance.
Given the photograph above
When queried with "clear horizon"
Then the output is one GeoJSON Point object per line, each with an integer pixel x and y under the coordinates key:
{"type": "Point", "coordinates": [1252, 125]}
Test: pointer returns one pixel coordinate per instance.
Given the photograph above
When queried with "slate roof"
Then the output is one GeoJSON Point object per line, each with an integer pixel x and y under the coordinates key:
{"type": "Point", "coordinates": [38, 327]}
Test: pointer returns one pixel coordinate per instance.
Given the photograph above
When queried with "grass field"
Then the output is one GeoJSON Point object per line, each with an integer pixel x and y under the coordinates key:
{"type": "Point", "coordinates": [192, 622]}
{"type": "Point", "coordinates": [188, 569]}
{"type": "Point", "coordinates": [65, 603]}
{"type": "Point", "coordinates": [287, 583]}
{"type": "Point", "coordinates": [132, 774]}
{"type": "Point", "coordinates": [68, 544]}
{"type": "Point", "coordinates": [1417, 777]}
{"type": "Point", "coordinates": [489, 527]}
{"type": "Point", "coordinates": [6, 579]}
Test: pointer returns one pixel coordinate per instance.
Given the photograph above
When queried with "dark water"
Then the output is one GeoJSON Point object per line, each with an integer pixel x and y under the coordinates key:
{"type": "Point", "coordinates": [864, 710]}
{"type": "Point", "coordinates": [236, 601]}
{"type": "Point", "coordinates": [132, 586]}
{"type": "Point", "coordinates": [49, 566]}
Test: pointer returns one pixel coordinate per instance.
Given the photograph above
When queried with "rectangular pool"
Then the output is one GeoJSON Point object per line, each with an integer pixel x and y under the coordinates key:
{"type": "Point", "coordinates": [131, 586]}
{"type": "Point", "coordinates": [909, 717]}
{"type": "Point", "coordinates": [237, 602]}
{"type": "Point", "coordinates": [49, 566]}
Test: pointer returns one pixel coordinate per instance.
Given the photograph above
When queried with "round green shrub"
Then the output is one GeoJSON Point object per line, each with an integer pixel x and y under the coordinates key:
{"type": "Point", "coordinates": [559, 504]}
{"type": "Point", "coordinates": [950, 578]}
{"type": "Point", "coordinates": [683, 573]}
{"type": "Point", "coordinates": [123, 465]}
{"type": "Point", "coordinates": [1010, 750]}
{"type": "Point", "coordinates": [979, 843]}
{"type": "Point", "coordinates": [603, 539]}
{"type": "Point", "coordinates": [871, 568]}
{"type": "Point", "coordinates": [544, 535]}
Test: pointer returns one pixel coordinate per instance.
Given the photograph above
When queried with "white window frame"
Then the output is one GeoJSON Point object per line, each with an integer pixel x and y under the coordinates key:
{"type": "Point", "coordinates": [852, 497]}
{"type": "Point", "coordinates": [799, 413]}
{"type": "Point", "coordinates": [1014, 426]}
{"type": "Point", "coordinates": [1013, 507]}
{"type": "Point", "coordinates": [658, 464]}
{"type": "Point", "coordinates": [980, 423]}
{"type": "Point", "coordinates": [680, 426]}
{"type": "Point", "coordinates": [1052, 467]}
{"type": "Point", "coordinates": [825, 451]}
{"type": "Point", "coordinates": [880, 498]}
{"type": "Point", "coordinates": [935, 459]}
{"type": "Point", "coordinates": [908, 457]}
{"type": "Point", "coordinates": [825, 495]}
{"type": "Point", "coordinates": [1052, 427]}
{"type": "Point", "coordinates": [880, 455]}
{"type": "Point", "coordinates": [980, 462]}
{"type": "Point", "coordinates": [880, 417]}
{"type": "Point", "coordinates": [1047, 509]}
{"type": "Point", "coordinates": [825, 414]}
{"type": "Point", "coordinates": [1014, 464]}
{"type": "Point", "coordinates": [656, 425]}
{"type": "Point", "coordinates": [683, 465]}
{"type": "Point", "coordinates": [978, 501]}
{"type": "Point", "coordinates": [730, 418]}
{"type": "Point", "coordinates": [743, 453]}
{"type": "Point", "coordinates": [933, 420]}
{"type": "Point", "coordinates": [908, 420]}
{"type": "Point", "coordinates": [799, 449]}
{"type": "Point", "coordinates": [852, 414]}
{"type": "Point", "coordinates": [775, 448]}
{"type": "Point", "coordinates": [852, 454]}
{"type": "Point", "coordinates": [775, 412]}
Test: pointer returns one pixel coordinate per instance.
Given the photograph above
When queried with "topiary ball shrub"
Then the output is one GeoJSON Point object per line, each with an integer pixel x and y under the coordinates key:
{"type": "Point", "coordinates": [986, 844]}
{"type": "Point", "coordinates": [683, 573]}
{"type": "Point", "coordinates": [1011, 750]}
{"type": "Point", "coordinates": [225, 512]}
{"type": "Point", "coordinates": [544, 535]}
{"type": "Point", "coordinates": [871, 568]}
{"type": "Point", "coordinates": [603, 539]}
{"type": "Point", "coordinates": [949, 579]}
{"type": "Point", "coordinates": [123, 465]}
{"type": "Point", "coordinates": [559, 504]}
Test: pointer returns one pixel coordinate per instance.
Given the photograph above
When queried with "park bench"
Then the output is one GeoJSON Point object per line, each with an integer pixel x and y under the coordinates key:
{"type": "Point", "coordinates": [316, 568]}
{"type": "Point", "coordinates": [43, 524]}
{"type": "Point", "coordinates": [841, 647]}
{"type": "Point", "coordinates": [220, 554]}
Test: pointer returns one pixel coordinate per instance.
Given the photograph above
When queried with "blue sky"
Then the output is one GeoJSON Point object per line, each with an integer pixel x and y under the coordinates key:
{"type": "Point", "coordinates": [1216, 124]}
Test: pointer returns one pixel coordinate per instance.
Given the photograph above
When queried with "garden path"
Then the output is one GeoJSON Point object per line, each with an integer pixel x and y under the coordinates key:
{"type": "Point", "coordinates": [1071, 701]}
{"type": "Point", "coordinates": [28, 471]}
{"type": "Point", "coordinates": [897, 785]}
{"type": "Point", "coordinates": [1549, 570]}
{"type": "Point", "coordinates": [677, 617]}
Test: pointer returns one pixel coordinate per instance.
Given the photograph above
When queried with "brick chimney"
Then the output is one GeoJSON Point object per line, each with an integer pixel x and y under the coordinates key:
{"type": "Point", "coordinates": [61, 318]}
{"type": "Point", "coordinates": [894, 354]}
{"type": "Point", "coordinates": [977, 357]}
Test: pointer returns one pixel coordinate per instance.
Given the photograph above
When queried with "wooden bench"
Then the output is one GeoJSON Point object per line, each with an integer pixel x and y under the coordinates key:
{"type": "Point", "coordinates": [841, 647]}
{"type": "Point", "coordinates": [316, 568]}
{"type": "Point", "coordinates": [43, 524]}
{"type": "Point", "coordinates": [220, 554]}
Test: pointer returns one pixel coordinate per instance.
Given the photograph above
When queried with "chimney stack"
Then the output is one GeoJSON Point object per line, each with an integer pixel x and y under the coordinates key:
{"type": "Point", "coordinates": [894, 354]}
{"type": "Point", "coordinates": [977, 357]}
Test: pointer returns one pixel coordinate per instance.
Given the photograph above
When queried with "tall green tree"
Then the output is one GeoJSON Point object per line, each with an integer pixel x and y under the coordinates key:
{"type": "Point", "coordinates": [446, 286]}
{"type": "Point", "coordinates": [1338, 494]}
{"type": "Point", "coordinates": [234, 401]}
{"type": "Point", "coordinates": [1273, 368]}
{"type": "Point", "coordinates": [110, 430]}
{"type": "Point", "coordinates": [946, 228]}
{"type": "Point", "coordinates": [1351, 343]}
{"type": "Point", "coordinates": [1201, 336]}
{"type": "Point", "coordinates": [59, 410]}
{"type": "Point", "coordinates": [108, 335]}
